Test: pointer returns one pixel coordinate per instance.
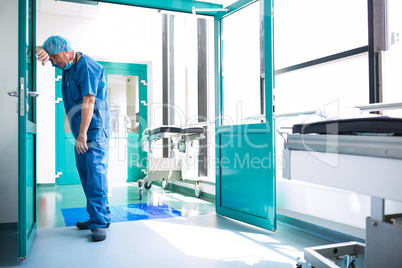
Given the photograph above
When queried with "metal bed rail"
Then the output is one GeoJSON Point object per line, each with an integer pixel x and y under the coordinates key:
{"type": "Point", "coordinates": [367, 108]}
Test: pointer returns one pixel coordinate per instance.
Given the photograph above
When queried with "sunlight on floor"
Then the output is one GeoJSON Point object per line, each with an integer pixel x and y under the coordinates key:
{"type": "Point", "coordinates": [166, 196]}
{"type": "Point", "coordinates": [217, 244]}
{"type": "Point", "coordinates": [260, 237]}
{"type": "Point", "coordinates": [114, 185]}
{"type": "Point", "coordinates": [120, 184]}
{"type": "Point", "coordinates": [188, 199]}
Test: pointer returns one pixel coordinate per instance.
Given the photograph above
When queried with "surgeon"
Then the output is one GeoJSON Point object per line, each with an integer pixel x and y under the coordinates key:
{"type": "Point", "coordinates": [85, 102]}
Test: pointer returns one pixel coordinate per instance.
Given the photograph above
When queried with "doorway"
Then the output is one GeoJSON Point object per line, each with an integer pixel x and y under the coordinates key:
{"type": "Point", "coordinates": [127, 98]}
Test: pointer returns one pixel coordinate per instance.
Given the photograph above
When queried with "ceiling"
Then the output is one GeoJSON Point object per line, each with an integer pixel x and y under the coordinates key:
{"type": "Point", "coordinates": [68, 9]}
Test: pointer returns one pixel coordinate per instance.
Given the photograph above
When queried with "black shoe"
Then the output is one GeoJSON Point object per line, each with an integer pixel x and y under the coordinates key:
{"type": "Point", "coordinates": [83, 225]}
{"type": "Point", "coordinates": [98, 234]}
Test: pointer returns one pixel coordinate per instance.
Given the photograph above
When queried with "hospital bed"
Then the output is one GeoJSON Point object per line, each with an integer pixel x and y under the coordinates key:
{"type": "Point", "coordinates": [363, 155]}
{"type": "Point", "coordinates": [168, 169]}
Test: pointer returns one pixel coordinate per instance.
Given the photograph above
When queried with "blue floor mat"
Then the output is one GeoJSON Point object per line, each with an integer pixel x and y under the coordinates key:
{"type": "Point", "coordinates": [130, 212]}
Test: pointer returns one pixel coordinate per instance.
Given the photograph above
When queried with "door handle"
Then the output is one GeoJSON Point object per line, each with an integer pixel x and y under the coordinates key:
{"type": "Point", "coordinates": [12, 93]}
{"type": "Point", "coordinates": [33, 94]}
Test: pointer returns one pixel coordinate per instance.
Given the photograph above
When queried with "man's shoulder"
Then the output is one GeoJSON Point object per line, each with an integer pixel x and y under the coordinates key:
{"type": "Point", "coordinates": [90, 60]}
{"type": "Point", "coordinates": [90, 64]}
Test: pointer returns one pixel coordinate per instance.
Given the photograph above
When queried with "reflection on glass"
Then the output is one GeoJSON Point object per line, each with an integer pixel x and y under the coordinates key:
{"type": "Point", "coordinates": [241, 67]}
{"type": "Point", "coordinates": [123, 104]}
{"type": "Point", "coordinates": [28, 77]}
{"type": "Point", "coordinates": [392, 64]}
{"type": "Point", "coordinates": [67, 128]}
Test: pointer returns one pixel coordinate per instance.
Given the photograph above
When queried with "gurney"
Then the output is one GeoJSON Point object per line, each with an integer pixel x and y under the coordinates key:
{"type": "Point", "coordinates": [168, 169]}
{"type": "Point", "coordinates": [363, 155]}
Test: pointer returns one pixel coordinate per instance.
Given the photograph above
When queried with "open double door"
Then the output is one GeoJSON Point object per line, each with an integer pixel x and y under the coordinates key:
{"type": "Point", "coordinates": [245, 181]}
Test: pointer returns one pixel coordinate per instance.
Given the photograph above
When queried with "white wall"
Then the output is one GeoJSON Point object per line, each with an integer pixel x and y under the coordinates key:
{"type": "Point", "coordinates": [8, 105]}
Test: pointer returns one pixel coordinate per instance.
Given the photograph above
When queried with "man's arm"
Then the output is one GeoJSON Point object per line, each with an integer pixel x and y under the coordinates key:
{"type": "Point", "coordinates": [87, 110]}
{"type": "Point", "coordinates": [41, 55]}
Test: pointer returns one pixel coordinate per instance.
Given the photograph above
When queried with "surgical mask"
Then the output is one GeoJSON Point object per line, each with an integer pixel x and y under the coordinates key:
{"type": "Point", "coordinates": [69, 64]}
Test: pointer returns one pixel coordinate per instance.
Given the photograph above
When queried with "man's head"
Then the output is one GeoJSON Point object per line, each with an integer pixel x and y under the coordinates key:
{"type": "Point", "coordinates": [60, 51]}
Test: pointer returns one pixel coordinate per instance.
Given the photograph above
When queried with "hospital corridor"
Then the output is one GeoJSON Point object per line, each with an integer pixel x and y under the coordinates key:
{"type": "Point", "coordinates": [201, 133]}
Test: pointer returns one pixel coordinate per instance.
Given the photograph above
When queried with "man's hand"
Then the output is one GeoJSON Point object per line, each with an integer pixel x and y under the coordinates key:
{"type": "Point", "coordinates": [81, 143]}
{"type": "Point", "coordinates": [41, 55]}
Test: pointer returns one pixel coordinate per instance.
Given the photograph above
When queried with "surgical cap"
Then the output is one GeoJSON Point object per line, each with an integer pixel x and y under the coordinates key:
{"type": "Point", "coordinates": [56, 44]}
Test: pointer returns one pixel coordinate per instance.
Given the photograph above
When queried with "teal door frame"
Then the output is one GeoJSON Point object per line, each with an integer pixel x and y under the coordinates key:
{"type": "Point", "coordinates": [59, 125]}
{"type": "Point", "coordinates": [185, 6]}
{"type": "Point", "coordinates": [247, 195]}
{"type": "Point", "coordinates": [26, 127]}
{"type": "Point", "coordinates": [65, 141]}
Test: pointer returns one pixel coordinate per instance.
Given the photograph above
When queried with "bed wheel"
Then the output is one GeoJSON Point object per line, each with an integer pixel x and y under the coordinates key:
{"type": "Point", "coordinates": [148, 185]}
{"type": "Point", "coordinates": [197, 190]}
{"type": "Point", "coordinates": [165, 185]}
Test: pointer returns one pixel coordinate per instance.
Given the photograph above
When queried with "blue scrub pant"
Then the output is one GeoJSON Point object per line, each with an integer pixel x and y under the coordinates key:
{"type": "Point", "coordinates": [92, 168]}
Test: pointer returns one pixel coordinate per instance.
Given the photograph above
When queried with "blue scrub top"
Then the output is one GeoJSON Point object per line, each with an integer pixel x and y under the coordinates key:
{"type": "Point", "coordinates": [85, 77]}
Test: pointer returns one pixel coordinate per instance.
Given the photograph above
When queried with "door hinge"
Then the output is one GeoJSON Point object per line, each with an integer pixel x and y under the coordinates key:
{"type": "Point", "coordinates": [58, 100]}
{"type": "Point", "coordinates": [144, 82]}
{"type": "Point", "coordinates": [57, 78]}
{"type": "Point", "coordinates": [144, 103]}
{"type": "Point", "coordinates": [58, 174]}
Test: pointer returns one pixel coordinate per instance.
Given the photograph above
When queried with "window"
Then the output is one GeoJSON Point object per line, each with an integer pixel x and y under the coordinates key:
{"type": "Point", "coordinates": [241, 75]}
{"type": "Point", "coordinates": [392, 59]}
{"type": "Point", "coordinates": [187, 68]}
{"type": "Point", "coordinates": [321, 61]}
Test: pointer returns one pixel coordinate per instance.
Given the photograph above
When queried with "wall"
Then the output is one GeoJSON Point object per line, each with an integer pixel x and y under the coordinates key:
{"type": "Point", "coordinates": [9, 118]}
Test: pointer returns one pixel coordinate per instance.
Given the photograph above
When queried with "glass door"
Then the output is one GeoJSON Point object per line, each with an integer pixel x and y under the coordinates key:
{"type": "Point", "coordinates": [26, 128]}
{"type": "Point", "coordinates": [245, 188]}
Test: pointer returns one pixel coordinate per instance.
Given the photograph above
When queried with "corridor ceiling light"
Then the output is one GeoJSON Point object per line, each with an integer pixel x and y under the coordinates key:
{"type": "Point", "coordinates": [195, 10]}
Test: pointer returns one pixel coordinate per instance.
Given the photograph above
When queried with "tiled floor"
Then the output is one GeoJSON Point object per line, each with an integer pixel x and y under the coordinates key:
{"type": "Point", "coordinates": [51, 199]}
{"type": "Point", "coordinates": [200, 238]}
